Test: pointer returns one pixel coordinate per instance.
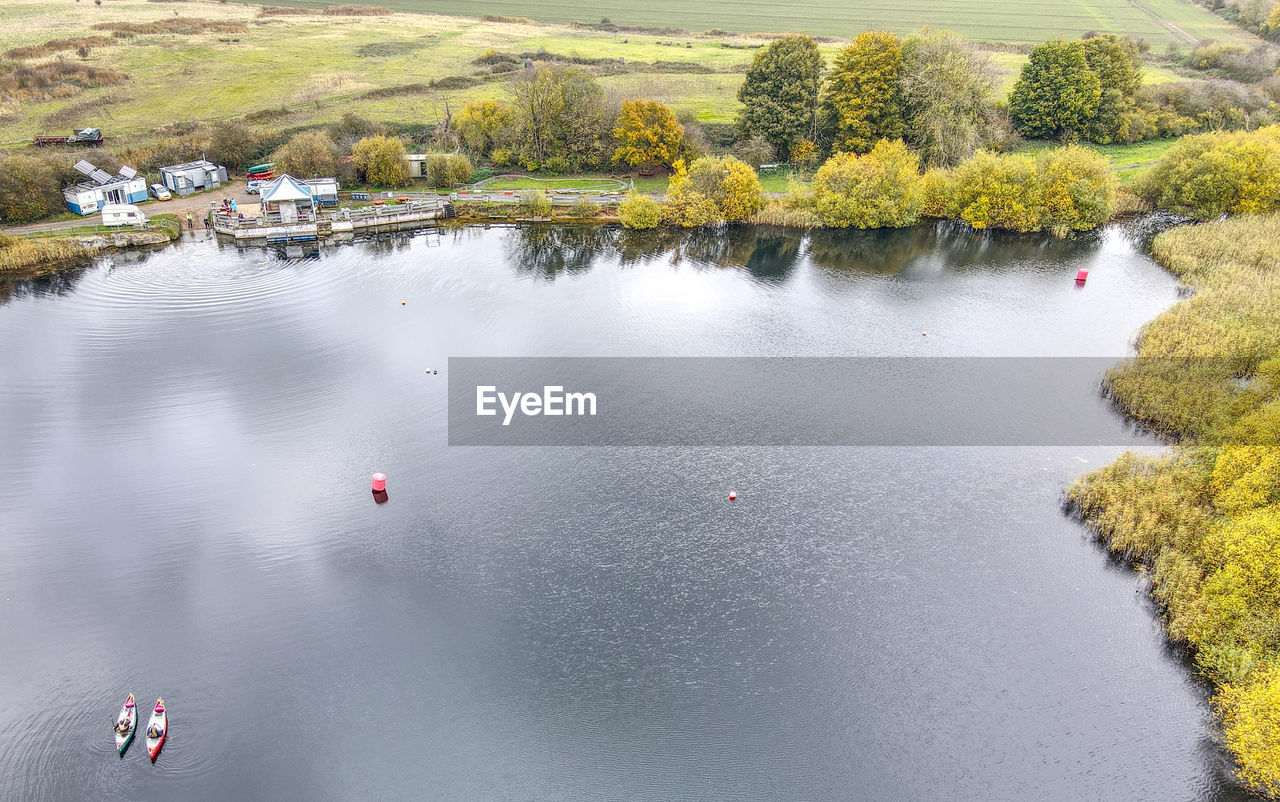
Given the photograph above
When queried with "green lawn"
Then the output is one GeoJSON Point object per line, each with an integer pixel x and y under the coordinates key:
{"type": "Point", "coordinates": [587, 183]}
{"type": "Point", "coordinates": [1129, 160]}
{"type": "Point", "coordinates": [1158, 21]}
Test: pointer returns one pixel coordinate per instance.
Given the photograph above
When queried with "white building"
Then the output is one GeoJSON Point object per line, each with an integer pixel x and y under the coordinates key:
{"type": "Point", "coordinates": [90, 196]}
{"type": "Point", "coordinates": [324, 191]}
{"type": "Point", "coordinates": [417, 164]}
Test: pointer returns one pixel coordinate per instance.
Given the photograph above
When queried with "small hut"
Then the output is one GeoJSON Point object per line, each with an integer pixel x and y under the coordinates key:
{"type": "Point", "coordinates": [417, 164]}
{"type": "Point", "coordinates": [190, 177]}
{"type": "Point", "coordinates": [324, 191]}
{"type": "Point", "coordinates": [285, 195]}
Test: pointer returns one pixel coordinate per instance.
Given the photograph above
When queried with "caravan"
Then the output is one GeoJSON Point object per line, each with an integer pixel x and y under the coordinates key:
{"type": "Point", "coordinates": [122, 214]}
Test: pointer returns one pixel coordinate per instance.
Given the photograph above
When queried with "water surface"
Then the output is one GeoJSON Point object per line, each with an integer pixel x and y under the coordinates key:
{"type": "Point", "coordinates": [186, 438]}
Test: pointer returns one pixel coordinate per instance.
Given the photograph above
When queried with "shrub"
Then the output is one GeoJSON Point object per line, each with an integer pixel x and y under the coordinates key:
{"type": "Point", "coordinates": [310, 154]}
{"type": "Point", "coordinates": [639, 211]}
{"type": "Point", "coordinates": [1077, 189]}
{"type": "Point", "coordinates": [994, 191]}
{"type": "Point", "coordinates": [712, 190]}
{"type": "Point", "coordinates": [585, 208]}
{"type": "Point", "coordinates": [356, 11]}
{"type": "Point", "coordinates": [882, 189]}
{"type": "Point", "coordinates": [754, 151]}
{"type": "Point", "coordinates": [445, 170]}
{"type": "Point", "coordinates": [28, 190]}
{"type": "Point", "coordinates": [381, 161]}
{"type": "Point", "coordinates": [535, 203]}
{"type": "Point", "coordinates": [352, 128]}
{"type": "Point", "coordinates": [235, 144]}
{"type": "Point", "coordinates": [1209, 175]}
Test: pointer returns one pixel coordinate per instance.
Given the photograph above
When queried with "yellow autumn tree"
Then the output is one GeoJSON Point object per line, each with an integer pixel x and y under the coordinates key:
{"type": "Point", "coordinates": [381, 160]}
{"type": "Point", "coordinates": [647, 133]}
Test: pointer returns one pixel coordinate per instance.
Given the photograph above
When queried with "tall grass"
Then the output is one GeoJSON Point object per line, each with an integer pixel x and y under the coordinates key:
{"type": "Point", "coordinates": [58, 45]}
{"type": "Point", "coordinates": [356, 11]}
{"type": "Point", "coordinates": [56, 79]}
{"type": "Point", "coordinates": [18, 254]}
{"type": "Point", "coordinates": [180, 25]}
{"type": "Point", "coordinates": [1205, 520]}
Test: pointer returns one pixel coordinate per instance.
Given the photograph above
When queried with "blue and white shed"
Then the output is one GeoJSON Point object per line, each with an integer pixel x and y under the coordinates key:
{"type": "Point", "coordinates": [90, 196]}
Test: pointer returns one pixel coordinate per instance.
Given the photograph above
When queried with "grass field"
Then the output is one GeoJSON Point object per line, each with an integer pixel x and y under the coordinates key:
{"type": "Point", "coordinates": [1129, 160]}
{"type": "Point", "coordinates": [310, 69]}
{"type": "Point", "coordinates": [1157, 21]}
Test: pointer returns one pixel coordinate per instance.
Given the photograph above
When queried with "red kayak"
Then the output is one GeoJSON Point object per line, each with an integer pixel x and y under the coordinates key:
{"type": "Point", "coordinates": [157, 730]}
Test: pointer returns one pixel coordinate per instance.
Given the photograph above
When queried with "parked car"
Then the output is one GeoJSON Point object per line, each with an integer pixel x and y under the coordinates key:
{"type": "Point", "coordinates": [122, 214]}
{"type": "Point", "coordinates": [160, 192]}
{"type": "Point", "coordinates": [254, 185]}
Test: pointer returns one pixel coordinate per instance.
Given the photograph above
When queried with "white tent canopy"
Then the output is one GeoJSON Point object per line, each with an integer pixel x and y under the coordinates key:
{"type": "Point", "coordinates": [285, 188]}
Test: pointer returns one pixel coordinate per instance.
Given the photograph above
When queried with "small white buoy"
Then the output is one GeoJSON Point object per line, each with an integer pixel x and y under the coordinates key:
{"type": "Point", "coordinates": [924, 334]}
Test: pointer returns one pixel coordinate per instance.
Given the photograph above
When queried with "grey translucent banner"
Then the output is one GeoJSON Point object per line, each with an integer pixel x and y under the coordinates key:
{"type": "Point", "coordinates": [784, 401]}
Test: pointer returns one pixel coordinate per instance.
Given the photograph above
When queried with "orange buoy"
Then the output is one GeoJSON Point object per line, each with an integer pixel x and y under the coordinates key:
{"type": "Point", "coordinates": [379, 482]}
{"type": "Point", "coordinates": [733, 496]}
{"type": "Point", "coordinates": [1082, 275]}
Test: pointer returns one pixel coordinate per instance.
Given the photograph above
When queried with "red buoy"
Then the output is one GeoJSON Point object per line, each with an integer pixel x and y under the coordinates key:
{"type": "Point", "coordinates": [1082, 275]}
{"type": "Point", "coordinates": [379, 482]}
{"type": "Point", "coordinates": [733, 496]}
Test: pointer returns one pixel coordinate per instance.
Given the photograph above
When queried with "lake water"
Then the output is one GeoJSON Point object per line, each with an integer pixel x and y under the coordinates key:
{"type": "Point", "coordinates": [186, 439]}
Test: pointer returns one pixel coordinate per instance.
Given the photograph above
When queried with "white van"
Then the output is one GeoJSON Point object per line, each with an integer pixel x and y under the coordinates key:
{"type": "Point", "coordinates": [122, 214]}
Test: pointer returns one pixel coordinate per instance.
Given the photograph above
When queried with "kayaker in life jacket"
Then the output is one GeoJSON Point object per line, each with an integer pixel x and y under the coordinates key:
{"type": "Point", "coordinates": [154, 731]}
{"type": "Point", "coordinates": [122, 726]}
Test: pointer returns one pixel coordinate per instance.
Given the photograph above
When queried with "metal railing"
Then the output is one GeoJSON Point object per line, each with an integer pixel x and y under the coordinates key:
{"type": "Point", "coordinates": [365, 214]}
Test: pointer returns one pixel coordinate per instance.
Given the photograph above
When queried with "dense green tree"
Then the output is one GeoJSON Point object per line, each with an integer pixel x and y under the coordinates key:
{"type": "Point", "coordinates": [1118, 66]}
{"type": "Point", "coordinates": [780, 93]}
{"type": "Point", "coordinates": [881, 189]}
{"type": "Point", "coordinates": [947, 88]}
{"type": "Point", "coordinates": [562, 119]}
{"type": "Point", "coordinates": [863, 100]}
{"type": "Point", "coordinates": [380, 160]}
{"type": "Point", "coordinates": [1057, 93]}
{"type": "Point", "coordinates": [647, 133]}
